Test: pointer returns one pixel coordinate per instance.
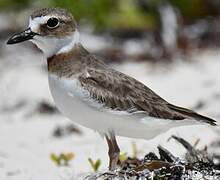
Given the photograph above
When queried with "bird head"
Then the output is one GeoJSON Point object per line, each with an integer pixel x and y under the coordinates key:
{"type": "Point", "coordinates": [53, 30]}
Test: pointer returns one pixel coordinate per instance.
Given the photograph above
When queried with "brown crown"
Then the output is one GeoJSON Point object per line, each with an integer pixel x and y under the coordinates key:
{"type": "Point", "coordinates": [67, 22]}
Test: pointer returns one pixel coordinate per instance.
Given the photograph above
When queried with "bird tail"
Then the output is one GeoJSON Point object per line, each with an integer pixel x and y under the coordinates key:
{"type": "Point", "coordinates": [193, 115]}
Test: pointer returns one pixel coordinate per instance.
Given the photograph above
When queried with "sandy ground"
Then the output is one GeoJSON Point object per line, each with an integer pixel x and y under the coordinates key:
{"type": "Point", "coordinates": [26, 139]}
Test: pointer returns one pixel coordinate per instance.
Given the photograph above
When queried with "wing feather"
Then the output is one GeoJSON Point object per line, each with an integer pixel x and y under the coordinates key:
{"type": "Point", "coordinates": [120, 92]}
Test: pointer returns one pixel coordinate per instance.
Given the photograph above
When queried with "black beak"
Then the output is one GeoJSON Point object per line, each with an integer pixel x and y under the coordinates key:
{"type": "Point", "coordinates": [22, 36]}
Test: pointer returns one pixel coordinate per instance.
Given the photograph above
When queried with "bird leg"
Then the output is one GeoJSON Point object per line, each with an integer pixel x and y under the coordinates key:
{"type": "Point", "coordinates": [113, 151]}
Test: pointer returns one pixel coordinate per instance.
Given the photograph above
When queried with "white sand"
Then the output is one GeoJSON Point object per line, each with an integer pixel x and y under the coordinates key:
{"type": "Point", "coordinates": [26, 140]}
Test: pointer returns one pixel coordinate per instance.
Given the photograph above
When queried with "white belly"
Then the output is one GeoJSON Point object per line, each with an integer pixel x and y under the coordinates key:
{"type": "Point", "coordinates": [69, 97]}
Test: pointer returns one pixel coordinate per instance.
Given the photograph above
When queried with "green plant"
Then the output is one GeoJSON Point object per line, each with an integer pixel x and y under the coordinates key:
{"type": "Point", "coordinates": [62, 159]}
{"type": "Point", "coordinates": [95, 164]}
{"type": "Point", "coordinates": [123, 156]}
{"type": "Point", "coordinates": [96, 12]}
{"type": "Point", "coordinates": [12, 4]}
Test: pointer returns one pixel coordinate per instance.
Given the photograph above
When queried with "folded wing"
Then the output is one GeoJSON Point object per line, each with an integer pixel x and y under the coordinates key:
{"type": "Point", "coordinates": [117, 91]}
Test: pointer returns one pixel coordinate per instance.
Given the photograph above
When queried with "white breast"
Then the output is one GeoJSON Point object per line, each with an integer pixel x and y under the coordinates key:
{"type": "Point", "coordinates": [73, 101]}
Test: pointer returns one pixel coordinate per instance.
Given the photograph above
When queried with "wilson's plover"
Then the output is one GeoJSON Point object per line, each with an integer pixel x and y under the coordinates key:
{"type": "Point", "coordinates": [93, 94]}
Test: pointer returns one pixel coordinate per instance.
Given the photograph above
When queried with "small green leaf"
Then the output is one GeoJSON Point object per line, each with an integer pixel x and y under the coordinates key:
{"type": "Point", "coordinates": [95, 164]}
{"type": "Point", "coordinates": [62, 159]}
{"type": "Point", "coordinates": [69, 156]}
{"type": "Point", "coordinates": [123, 156]}
{"type": "Point", "coordinates": [55, 159]}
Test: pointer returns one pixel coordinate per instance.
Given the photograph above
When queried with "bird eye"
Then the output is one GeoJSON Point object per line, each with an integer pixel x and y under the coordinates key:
{"type": "Point", "coordinates": [52, 22]}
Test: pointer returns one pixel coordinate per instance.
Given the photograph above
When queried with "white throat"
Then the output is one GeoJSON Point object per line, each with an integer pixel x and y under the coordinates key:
{"type": "Point", "coordinates": [53, 45]}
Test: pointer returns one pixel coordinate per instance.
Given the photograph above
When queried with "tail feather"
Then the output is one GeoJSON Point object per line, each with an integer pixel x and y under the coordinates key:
{"type": "Point", "coordinates": [192, 114]}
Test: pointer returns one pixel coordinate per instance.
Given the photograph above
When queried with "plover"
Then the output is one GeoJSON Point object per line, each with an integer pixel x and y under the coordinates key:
{"type": "Point", "coordinates": [91, 93]}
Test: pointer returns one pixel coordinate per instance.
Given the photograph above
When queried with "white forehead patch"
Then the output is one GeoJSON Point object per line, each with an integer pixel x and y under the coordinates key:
{"type": "Point", "coordinates": [35, 23]}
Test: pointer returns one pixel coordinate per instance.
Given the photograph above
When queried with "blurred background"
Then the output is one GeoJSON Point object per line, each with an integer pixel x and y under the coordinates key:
{"type": "Point", "coordinates": [170, 45]}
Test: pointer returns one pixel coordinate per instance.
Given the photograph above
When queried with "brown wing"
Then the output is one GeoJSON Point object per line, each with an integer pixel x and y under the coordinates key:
{"type": "Point", "coordinates": [118, 91]}
{"type": "Point", "coordinates": [191, 114]}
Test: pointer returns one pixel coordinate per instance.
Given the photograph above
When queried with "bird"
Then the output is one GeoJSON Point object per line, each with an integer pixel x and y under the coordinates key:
{"type": "Point", "coordinates": [92, 93]}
